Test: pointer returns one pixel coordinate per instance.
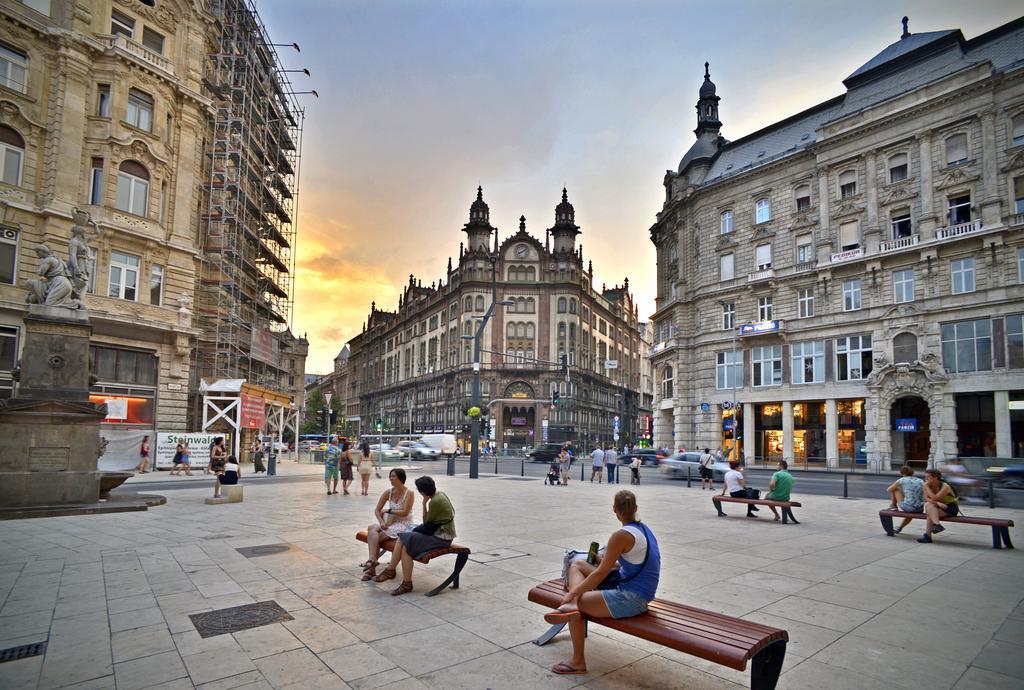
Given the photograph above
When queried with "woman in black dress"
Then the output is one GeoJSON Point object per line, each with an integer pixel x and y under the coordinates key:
{"type": "Point", "coordinates": [229, 477]}
{"type": "Point", "coordinates": [346, 467]}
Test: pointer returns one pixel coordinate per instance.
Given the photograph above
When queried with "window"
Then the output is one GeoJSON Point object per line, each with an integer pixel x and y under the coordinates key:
{"type": "Point", "coordinates": [764, 308]}
{"type": "Point", "coordinates": [8, 255]}
{"type": "Point", "coordinates": [847, 184]}
{"type": "Point", "coordinates": [13, 69]}
{"type": "Point", "coordinates": [96, 182]}
{"type": "Point", "coordinates": [963, 275]}
{"type": "Point", "coordinates": [153, 40]}
{"type": "Point", "coordinates": [469, 304]}
{"type": "Point", "coordinates": [726, 268]}
{"type": "Point", "coordinates": [121, 24]}
{"type": "Point", "coordinates": [898, 168]}
{"type": "Point", "coordinates": [903, 285]}
{"type": "Point", "coordinates": [156, 284]}
{"type": "Point", "coordinates": [967, 346]}
{"type": "Point", "coordinates": [8, 358]}
{"type": "Point", "coordinates": [808, 365]}
{"type": "Point", "coordinates": [140, 110]}
{"type": "Point", "coordinates": [729, 370]}
{"type": "Point", "coordinates": [762, 211]}
{"type": "Point", "coordinates": [1017, 130]}
{"type": "Point", "coordinates": [1018, 195]}
{"type": "Point", "coordinates": [112, 365]}
{"type": "Point", "coordinates": [1020, 265]}
{"type": "Point", "coordinates": [853, 358]}
{"type": "Point", "coordinates": [959, 209]}
{"type": "Point", "coordinates": [728, 316]}
{"type": "Point", "coordinates": [803, 197]}
{"type": "Point", "coordinates": [572, 306]}
{"type": "Point", "coordinates": [899, 221]}
{"type": "Point", "coordinates": [767, 365]}
{"type": "Point", "coordinates": [133, 188]}
{"type": "Point", "coordinates": [666, 382]}
{"type": "Point", "coordinates": [12, 153]}
{"type": "Point", "coordinates": [479, 303]}
{"type": "Point", "coordinates": [726, 222]}
{"type": "Point", "coordinates": [849, 235]}
{"type": "Point", "coordinates": [851, 295]}
{"type": "Point", "coordinates": [956, 149]}
{"type": "Point", "coordinates": [124, 275]}
{"type": "Point", "coordinates": [562, 305]}
{"type": "Point", "coordinates": [804, 249]}
{"type": "Point", "coordinates": [103, 100]}
{"type": "Point", "coordinates": [904, 347]}
{"type": "Point", "coordinates": [805, 302]}
{"type": "Point", "coordinates": [763, 257]}
{"type": "Point", "coordinates": [1015, 341]}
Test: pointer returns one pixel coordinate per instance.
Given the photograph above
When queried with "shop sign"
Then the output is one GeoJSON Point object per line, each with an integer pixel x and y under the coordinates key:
{"type": "Point", "coordinates": [728, 424]}
{"type": "Point", "coordinates": [198, 446]}
{"type": "Point", "coordinates": [848, 255]}
{"type": "Point", "coordinates": [704, 407]}
{"type": "Point", "coordinates": [519, 421]}
{"type": "Point", "coordinates": [117, 408]}
{"type": "Point", "coordinates": [908, 424]}
{"type": "Point", "coordinates": [544, 431]}
{"type": "Point", "coordinates": [760, 327]}
{"type": "Point", "coordinates": [519, 394]}
{"type": "Point", "coordinates": [253, 412]}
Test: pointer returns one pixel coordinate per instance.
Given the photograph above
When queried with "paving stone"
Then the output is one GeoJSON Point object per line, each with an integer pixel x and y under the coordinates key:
{"type": "Point", "coordinates": [132, 644]}
{"type": "Point", "coordinates": [130, 620]}
{"type": "Point", "coordinates": [267, 640]}
{"type": "Point", "coordinates": [819, 613]}
{"type": "Point", "coordinates": [148, 671]}
{"type": "Point", "coordinates": [980, 679]}
{"type": "Point", "coordinates": [299, 667]}
{"type": "Point", "coordinates": [357, 661]}
{"type": "Point", "coordinates": [217, 663]}
{"type": "Point", "coordinates": [1001, 657]}
{"type": "Point", "coordinates": [427, 650]}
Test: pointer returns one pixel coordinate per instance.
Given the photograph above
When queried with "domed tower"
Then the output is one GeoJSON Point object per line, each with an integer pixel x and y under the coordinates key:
{"type": "Point", "coordinates": [565, 229]}
{"type": "Point", "coordinates": [698, 159]}
{"type": "Point", "coordinates": [478, 229]}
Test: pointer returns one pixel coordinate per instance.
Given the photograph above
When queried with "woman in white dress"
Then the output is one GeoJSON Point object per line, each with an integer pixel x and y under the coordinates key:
{"type": "Point", "coordinates": [393, 513]}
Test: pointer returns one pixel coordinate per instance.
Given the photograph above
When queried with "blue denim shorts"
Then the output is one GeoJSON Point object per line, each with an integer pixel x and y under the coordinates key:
{"type": "Point", "coordinates": [911, 507]}
{"type": "Point", "coordinates": [622, 603]}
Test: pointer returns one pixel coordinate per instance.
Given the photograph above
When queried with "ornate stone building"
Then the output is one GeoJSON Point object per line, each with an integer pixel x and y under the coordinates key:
{"type": "Point", "coordinates": [853, 276]}
{"type": "Point", "coordinates": [103, 107]}
{"type": "Point", "coordinates": [412, 369]}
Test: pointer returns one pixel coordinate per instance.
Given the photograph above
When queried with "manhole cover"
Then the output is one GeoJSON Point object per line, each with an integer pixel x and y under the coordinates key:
{"type": "Point", "coordinates": [264, 550]}
{"type": "Point", "coordinates": [237, 618]}
{"type": "Point", "coordinates": [23, 652]}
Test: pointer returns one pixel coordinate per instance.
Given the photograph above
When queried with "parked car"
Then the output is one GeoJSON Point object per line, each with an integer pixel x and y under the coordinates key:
{"type": "Point", "coordinates": [418, 450]}
{"type": "Point", "coordinates": [648, 456]}
{"type": "Point", "coordinates": [677, 466]}
{"type": "Point", "coordinates": [386, 451]}
{"type": "Point", "coordinates": [545, 452]}
{"type": "Point", "coordinates": [309, 445]}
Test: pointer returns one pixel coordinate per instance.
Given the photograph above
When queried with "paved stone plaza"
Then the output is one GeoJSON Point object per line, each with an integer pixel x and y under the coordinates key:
{"type": "Point", "coordinates": [112, 594]}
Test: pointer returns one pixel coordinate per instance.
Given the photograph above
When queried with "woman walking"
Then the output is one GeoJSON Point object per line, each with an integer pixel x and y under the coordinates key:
{"type": "Point", "coordinates": [182, 460]}
{"type": "Point", "coordinates": [365, 467]}
{"type": "Point", "coordinates": [346, 467]}
{"type": "Point", "coordinates": [143, 455]}
{"type": "Point", "coordinates": [218, 455]}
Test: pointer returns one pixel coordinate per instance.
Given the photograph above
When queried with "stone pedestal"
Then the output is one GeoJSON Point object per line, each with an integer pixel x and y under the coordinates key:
{"type": "Point", "coordinates": [49, 433]}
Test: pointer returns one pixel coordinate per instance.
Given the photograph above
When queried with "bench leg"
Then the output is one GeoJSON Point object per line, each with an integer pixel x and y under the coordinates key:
{"type": "Point", "coordinates": [788, 512]}
{"type": "Point", "coordinates": [997, 538]}
{"type": "Point", "coordinates": [767, 665]}
{"type": "Point", "coordinates": [887, 524]}
{"type": "Point", "coordinates": [547, 637]}
{"type": "Point", "coordinates": [1005, 532]}
{"type": "Point", "coordinates": [718, 507]}
{"type": "Point", "coordinates": [453, 579]}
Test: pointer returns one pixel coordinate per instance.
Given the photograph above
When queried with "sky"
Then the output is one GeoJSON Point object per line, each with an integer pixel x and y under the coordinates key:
{"type": "Point", "coordinates": [421, 101]}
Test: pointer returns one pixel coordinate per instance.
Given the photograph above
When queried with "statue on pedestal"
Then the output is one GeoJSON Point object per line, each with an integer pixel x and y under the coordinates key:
{"type": "Point", "coordinates": [80, 254]}
{"type": "Point", "coordinates": [53, 288]}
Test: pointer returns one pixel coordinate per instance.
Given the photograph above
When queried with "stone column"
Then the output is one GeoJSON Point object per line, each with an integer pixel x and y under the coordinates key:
{"type": "Point", "coordinates": [1004, 441]}
{"type": "Point", "coordinates": [831, 434]}
{"type": "Point", "coordinates": [787, 431]}
{"type": "Point", "coordinates": [749, 446]}
{"type": "Point", "coordinates": [948, 437]}
{"type": "Point", "coordinates": [991, 204]}
{"type": "Point", "coordinates": [824, 232]}
{"type": "Point", "coordinates": [927, 220]}
{"type": "Point", "coordinates": [872, 231]}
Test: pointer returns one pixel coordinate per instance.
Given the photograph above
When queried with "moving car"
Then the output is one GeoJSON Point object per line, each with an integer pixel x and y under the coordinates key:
{"type": "Point", "coordinates": [386, 451]}
{"type": "Point", "coordinates": [444, 444]}
{"type": "Point", "coordinates": [418, 450]}
{"type": "Point", "coordinates": [545, 452]}
{"type": "Point", "coordinates": [677, 466]}
{"type": "Point", "coordinates": [648, 456]}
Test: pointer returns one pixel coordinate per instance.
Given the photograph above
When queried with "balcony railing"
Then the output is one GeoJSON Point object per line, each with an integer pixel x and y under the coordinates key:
{"type": "Point", "coordinates": [899, 243]}
{"type": "Point", "coordinates": [959, 229]}
{"type": "Point", "coordinates": [805, 266]}
{"type": "Point", "coordinates": [766, 274]}
{"type": "Point", "coordinates": [1017, 219]}
{"type": "Point", "coordinates": [124, 44]}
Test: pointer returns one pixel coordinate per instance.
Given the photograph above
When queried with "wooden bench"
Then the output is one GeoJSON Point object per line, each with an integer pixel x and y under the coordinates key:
{"type": "Point", "coordinates": [786, 506]}
{"type": "Point", "coordinates": [1000, 528]}
{"type": "Point", "coordinates": [461, 556]}
{"type": "Point", "coordinates": [229, 493]}
{"type": "Point", "coordinates": [721, 639]}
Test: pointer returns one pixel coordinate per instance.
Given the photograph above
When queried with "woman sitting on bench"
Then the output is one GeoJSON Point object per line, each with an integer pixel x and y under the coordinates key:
{"type": "Point", "coordinates": [229, 477]}
{"type": "Point", "coordinates": [635, 551]}
{"type": "Point", "coordinates": [392, 512]}
{"type": "Point", "coordinates": [939, 502]}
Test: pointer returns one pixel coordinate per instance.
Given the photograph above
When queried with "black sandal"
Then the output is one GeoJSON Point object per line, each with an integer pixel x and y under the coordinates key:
{"type": "Point", "coordinates": [403, 588]}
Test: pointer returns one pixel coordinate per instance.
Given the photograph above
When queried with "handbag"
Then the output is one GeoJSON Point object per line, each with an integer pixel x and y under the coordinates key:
{"type": "Point", "coordinates": [753, 493]}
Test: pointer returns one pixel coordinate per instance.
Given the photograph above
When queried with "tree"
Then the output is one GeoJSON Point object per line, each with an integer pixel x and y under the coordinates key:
{"type": "Point", "coordinates": [314, 403]}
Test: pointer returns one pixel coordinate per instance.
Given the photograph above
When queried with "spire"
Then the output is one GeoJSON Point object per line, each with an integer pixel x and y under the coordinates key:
{"type": "Point", "coordinates": [461, 248]}
{"type": "Point", "coordinates": [479, 211]}
{"type": "Point", "coordinates": [522, 223]}
{"type": "Point", "coordinates": [565, 214]}
{"type": "Point", "coordinates": [449, 264]}
{"type": "Point", "coordinates": [373, 307]}
{"type": "Point", "coordinates": [590, 268]}
{"type": "Point", "coordinates": [906, 28]}
{"type": "Point", "coordinates": [707, 105]}
{"type": "Point", "coordinates": [495, 240]}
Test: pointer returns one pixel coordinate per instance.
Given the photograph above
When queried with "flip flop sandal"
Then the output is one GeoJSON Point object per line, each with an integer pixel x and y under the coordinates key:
{"type": "Point", "coordinates": [403, 588]}
{"type": "Point", "coordinates": [557, 616]}
{"type": "Point", "coordinates": [385, 575]}
{"type": "Point", "coordinates": [564, 669]}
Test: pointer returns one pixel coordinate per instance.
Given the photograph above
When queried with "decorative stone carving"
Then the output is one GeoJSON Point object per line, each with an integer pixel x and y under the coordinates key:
{"type": "Point", "coordinates": [954, 177]}
{"type": "Point", "coordinates": [79, 252]}
{"type": "Point", "coordinates": [161, 14]}
{"type": "Point", "coordinates": [53, 288]}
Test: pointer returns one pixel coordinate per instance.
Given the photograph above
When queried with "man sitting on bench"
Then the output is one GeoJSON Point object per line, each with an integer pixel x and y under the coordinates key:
{"type": "Point", "coordinates": [906, 494]}
{"type": "Point", "coordinates": [736, 486]}
{"type": "Point", "coordinates": [635, 550]}
{"type": "Point", "coordinates": [780, 486]}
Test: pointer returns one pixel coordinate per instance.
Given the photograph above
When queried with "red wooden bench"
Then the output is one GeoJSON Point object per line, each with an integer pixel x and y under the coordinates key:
{"type": "Point", "coordinates": [461, 556]}
{"type": "Point", "coordinates": [1000, 528]}
{"type": "Point", "coordinates": [786, 506]}
{"type": "Point", "coordinates": [721, 639]}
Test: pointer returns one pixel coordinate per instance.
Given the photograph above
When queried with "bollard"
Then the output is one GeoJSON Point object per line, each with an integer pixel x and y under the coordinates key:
{"type": "Point", "coordinates": [451, 465]}
{"type": "Point", "coordinates": [581, 472]}
{"type": "Point", "coordinates": [495, 463]}
{"type": "Point", "coordinates": [688, 484]}
{"type": "Point", "coordinates": [991, 494]}
{"type": "Point", "coordinates": [522, 466]}
{"type": "Point", "coordinates": [846, 489]}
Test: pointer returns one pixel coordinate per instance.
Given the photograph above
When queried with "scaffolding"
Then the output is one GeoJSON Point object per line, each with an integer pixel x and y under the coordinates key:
{"type": "Point", "coordinates": [248, 213]}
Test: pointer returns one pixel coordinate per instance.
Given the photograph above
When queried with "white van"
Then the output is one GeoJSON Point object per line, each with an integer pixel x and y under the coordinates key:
{"type": "Point", "coordinates": [442, 443]}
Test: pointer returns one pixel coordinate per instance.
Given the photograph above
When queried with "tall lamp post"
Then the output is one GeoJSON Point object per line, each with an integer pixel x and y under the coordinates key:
{"type": "Point", "coordinates": [731, 369]}
{"type": "Point", "coordinates": [474, 453]}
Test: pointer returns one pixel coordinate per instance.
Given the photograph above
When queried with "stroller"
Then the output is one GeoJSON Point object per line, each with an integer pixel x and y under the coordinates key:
{"type": "Point", "coordinates": [553, 477]}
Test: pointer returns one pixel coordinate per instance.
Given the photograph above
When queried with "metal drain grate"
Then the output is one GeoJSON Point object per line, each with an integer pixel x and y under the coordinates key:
{"type": "Point", "coordinates": [23, 652]}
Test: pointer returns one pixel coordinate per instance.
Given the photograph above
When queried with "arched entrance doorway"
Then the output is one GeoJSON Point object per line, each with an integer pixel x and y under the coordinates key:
{"type": "Point", "coordinates": [910, 431]}
{"type": "Point", "coordinates": [518, 420]}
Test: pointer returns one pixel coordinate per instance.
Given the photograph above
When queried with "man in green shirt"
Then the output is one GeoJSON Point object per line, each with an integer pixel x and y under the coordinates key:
{"type": "Point", "coordinates": [781, 485]}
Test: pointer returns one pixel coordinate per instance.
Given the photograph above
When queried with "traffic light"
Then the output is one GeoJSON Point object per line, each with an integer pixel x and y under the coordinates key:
{"type": "Point", "coordinates": [554, 398]}
{"type": "Point", "coordinates": [320, 418]}
{"type": "Point", "coordinates": [334, 417]}
{"type": "Point", "coordinates": [379, 426]}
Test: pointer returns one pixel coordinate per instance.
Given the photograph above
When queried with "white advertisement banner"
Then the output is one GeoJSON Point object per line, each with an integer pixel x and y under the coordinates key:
{"type": "Point", "coordinates": [198, 446]}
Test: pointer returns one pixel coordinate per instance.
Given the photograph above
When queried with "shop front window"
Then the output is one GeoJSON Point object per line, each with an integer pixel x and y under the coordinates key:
{"type": "Point", "coordinates": [809, 432]}
{"type": "Point", "coordinates": [768, 433]}
{"type": "Point", "coordinates": [852, 437]}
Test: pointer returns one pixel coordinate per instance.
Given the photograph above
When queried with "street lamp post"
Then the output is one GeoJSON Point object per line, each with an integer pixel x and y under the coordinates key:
{"type": "Point", "coordinates": [474, 453]}
{"type": "Point", "coordinates": [731, 369]}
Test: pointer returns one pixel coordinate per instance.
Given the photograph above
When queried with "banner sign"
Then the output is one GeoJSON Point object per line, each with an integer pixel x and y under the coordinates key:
{"type": "Point", "coordinates": [263, 346]}
{"type": "Point", "coordinates": [253, 412]}
{"type": "Point", "coordinates": [909, 424]}
{"type": "Point", "coordinates": [519, 421]}
{"type": "Point", "coordinates": [760, 327]}
{"type": "Point", "coordinates": [198, 446]}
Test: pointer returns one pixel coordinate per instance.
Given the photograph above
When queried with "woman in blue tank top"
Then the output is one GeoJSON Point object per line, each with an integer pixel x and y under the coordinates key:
{"type": "Point", "coordinates": [634, 550]}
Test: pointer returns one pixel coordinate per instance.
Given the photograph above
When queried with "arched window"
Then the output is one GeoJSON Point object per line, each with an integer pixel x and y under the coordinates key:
{"type": "Point", "coordinates": [520, 330]}
{"type": "Point", "coordinates": [12, 153]}
{"type": "Point", "coordinates": [904, 348]}
{"type": "Point", "coordinates": [572, 331]}
{"type": "Point", "coordinates": [562, 304]}
{"type": "Point", "coordinates": [510, 356]}
{"type": "Point", "coordinates": [531, 305]}
{"type": "Point", "coordinates": [956, 149]}
{"type": "Point", "coordinates": [762, 211]}
{"type": "Point", "coordinates": [530, 331]}
{"type": "Point", "coordinates": [898, 167]}
{"type": "Point", "coordinates": [586, 315]}
{"type": "Point", "coordinates": [467, 328]}
{"type": "Point", "coordinates": [802, 194]}
{"type": "Point", "coordinates": [725, 222]}
{"type": "Point", "coordinates": [666, 382]}
{"type": "Point", "coordinates": [510, 330]}
{"type": "Point", "coordinates": [133, 188]}
{"type": "Point", "coordinates": [521, 305]}
{"type": "Point", "coordinates": [531, 274]}
{"type": "Point", "coordinates": [479, 303]}
{"type": "Point", "coordinates": [561, 330]}
{"type": "Point", "coordinates": [1017, 130]}
{"type": "Point", "coordinates": [572, 306]}
{"type": "Point", "coordinates": [847, 183]}
{"type": "Point", "coordinates": [469, 304]}
{"type": "Point", "coordinates": [511, 308]}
